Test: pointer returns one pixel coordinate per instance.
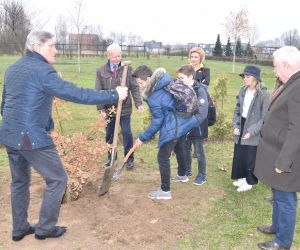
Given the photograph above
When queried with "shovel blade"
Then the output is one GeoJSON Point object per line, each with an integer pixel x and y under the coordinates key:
{"type": "Point", "coordinates": [107, 179]}
{"type": "Point", "coordinates": [117, 173]}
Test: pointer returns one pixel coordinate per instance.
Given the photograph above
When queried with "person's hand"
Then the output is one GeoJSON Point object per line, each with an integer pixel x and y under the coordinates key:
{"type": "Point", "coordinates": [236, 131]}
{"type": "Point", "coordinates": [278, 171]}
{"type": "Point", "coordinates": [140, 108]}
{"type": "Point", "coordinates": [214, 101]}
{"type": "Point", "coordinates": [138, 142]}
{"type": "Point", "coordinates": [122, 92]}
{"type": "Point", "coordinates": [103, 114]}
{"type": "Point", "coordinates": [247, 136]}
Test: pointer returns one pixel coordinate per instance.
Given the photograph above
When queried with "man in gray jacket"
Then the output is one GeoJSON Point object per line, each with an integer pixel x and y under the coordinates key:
{"type": "Point", "coordinates": [29, 87]}
{"type": "Point", "coordinates": [278, 154]}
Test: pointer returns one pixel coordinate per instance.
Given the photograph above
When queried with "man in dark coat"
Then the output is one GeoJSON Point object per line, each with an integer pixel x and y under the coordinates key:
{"type": "Point", "coordinates": [108, 77]}
{"type": "Point", "coordinates": [278, 154]}
{"type": "Point", "coordinates": [29, 87]}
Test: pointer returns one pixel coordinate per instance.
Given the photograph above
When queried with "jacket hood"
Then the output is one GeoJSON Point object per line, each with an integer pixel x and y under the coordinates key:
{"type": "Point", "coordinates": [158, 80]}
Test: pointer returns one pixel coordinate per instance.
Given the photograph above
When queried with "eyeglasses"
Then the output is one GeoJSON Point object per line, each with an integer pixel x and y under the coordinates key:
{"type": "Point", "coordinates": [49, 45]}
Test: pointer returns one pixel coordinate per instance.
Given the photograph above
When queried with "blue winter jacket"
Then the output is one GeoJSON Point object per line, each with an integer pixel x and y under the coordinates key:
{"type": "Point", "coordinates": [29, 87]}
{"type": "Point", "coordinates": [164, 118]}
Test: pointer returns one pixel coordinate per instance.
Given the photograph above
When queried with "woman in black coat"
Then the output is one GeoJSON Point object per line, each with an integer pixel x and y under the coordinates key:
{"type": "Point", "coordinates": [197, 57]}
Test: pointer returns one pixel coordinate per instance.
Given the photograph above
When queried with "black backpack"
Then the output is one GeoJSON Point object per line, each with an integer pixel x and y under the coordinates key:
{"type": "Point", "coordinates": [211, 114]}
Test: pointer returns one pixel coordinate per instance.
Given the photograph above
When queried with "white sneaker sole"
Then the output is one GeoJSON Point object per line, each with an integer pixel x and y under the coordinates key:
{"type": "Point", "coordinates": [199, 184]}
{"type": "Point", "coordinates": [159, 198]}
{"type": "Point", "coordinates": [244, 189]}
{"type": "Point", "coordinates": [185, 180]}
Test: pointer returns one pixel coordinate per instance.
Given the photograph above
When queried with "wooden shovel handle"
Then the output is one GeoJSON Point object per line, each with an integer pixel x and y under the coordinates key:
{"type": "Point", "coordinates": [130, 152]}
{"type": "Point", "coordinates": [119, 107]}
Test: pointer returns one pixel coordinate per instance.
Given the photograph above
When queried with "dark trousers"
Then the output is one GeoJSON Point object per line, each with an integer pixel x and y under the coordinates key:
{"type": "Point", "coordinates": [47, 162]}
{"type": "Point", "coordinates": [125, 123]}
{"type": "Point", "coordinates": [284, 217]}
{"type": "Point", "coordinates": [200, 155]}
{"type": "Point", "coordinates": [163, 157]}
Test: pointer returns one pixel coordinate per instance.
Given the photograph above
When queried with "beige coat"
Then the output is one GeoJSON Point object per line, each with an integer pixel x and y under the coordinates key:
{"type": "Point", "coordinates": [279, 144]}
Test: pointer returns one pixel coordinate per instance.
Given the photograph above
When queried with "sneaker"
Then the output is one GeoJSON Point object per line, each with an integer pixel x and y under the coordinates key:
{"type": "Point", "coordinates": [245, 187]}
{"type": "Point", "coordinates": [200, 180]}
{"type": "Point", "coordinates": [239, 182]}
{"type": "Point", "coordinates": [160, 195]}
{"type": "Point", "coordinates": [130, 164]}
{"type": "Point", "coordinates": [269, 198]}
{"type": "Point", "coordinates": [188, 174]}
{"type": "Point", "coordinates": [178, 178]}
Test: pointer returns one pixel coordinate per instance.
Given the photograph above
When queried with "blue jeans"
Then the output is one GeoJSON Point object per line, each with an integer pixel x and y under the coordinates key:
{"type": "Point", "coordinates": [126, 132]}
{"type": "Point", "coordinates": [200, 155]}
{"type": "Point", "coordinates": [163, 157]}
{"type": "Point", "coordinates": [284, 217]}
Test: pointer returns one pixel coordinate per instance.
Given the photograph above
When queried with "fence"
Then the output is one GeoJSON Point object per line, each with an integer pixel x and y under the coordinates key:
{"type": "Point", "coordinates": [98, 50]}
{"type": "Point", "coordinates": [135, 50]}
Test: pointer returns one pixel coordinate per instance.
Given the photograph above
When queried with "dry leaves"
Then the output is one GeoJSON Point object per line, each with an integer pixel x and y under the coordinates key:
{"type": "Point", "coordinates": [80, 156]}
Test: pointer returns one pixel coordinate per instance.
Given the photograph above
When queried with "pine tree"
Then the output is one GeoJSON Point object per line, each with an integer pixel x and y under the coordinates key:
{"type": "Point", "coordinates": [218, 50]}
{"type": "Point", "coordinates": [239, 49]}
{"type": "Point", "coordinates": [248, 51]}
{"type": "Point", "coordinates": [228, 49]}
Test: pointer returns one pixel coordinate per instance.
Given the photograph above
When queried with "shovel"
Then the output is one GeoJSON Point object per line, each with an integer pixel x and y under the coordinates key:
{"type": "Point", "coordinates": [118, 172]}
{"type": "Point", "coordinates": [109, 170]}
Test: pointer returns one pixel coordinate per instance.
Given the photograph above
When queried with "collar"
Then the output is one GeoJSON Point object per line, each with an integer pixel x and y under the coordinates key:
{"type": "Point", "coordinates": [111, 66]}
{"type": "Point", "coordinates": [36, 55]}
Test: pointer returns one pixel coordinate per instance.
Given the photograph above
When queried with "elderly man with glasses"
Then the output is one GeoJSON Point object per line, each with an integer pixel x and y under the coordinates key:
{"type": "Point", "coordinates": [29, 87]}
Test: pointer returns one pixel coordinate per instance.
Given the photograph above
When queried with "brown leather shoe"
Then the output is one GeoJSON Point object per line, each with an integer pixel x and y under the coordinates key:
{"type": "Point", "coordinates": [270, 245]}
{"type": "Point", "coordinates": [266, 230]}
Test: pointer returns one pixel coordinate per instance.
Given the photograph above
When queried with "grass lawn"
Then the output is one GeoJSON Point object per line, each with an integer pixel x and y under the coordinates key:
{"type": "Point", "coordinates": [232, 217]}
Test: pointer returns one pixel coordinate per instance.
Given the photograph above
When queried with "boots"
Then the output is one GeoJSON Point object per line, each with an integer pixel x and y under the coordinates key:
{"type": "Point", "coordinates": [107, 163]}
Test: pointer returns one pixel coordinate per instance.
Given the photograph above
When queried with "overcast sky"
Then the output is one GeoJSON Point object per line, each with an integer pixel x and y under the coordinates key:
{"type": "Point", "coordinates": [173, 21]}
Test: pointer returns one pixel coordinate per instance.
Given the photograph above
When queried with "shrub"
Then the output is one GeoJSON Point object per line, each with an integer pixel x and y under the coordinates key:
{"type": "Point", "coordinates": [221, 130]}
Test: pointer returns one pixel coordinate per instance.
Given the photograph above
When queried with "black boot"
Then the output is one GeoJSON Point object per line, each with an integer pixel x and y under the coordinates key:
{"type": "Point", "coordinates": [107, 163]}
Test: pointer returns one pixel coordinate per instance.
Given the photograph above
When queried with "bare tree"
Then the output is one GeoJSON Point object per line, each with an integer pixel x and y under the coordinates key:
{"type": "Point", "coordinates": [254, 34]}
{"type": "Point", "coordinates": [15, 25]}
{"type": "Point", "coordinates": [132, 38]}
{"type": "Point", "coordinates": [78, 21]}
{"type": "Point", "coordinates": [291, 38]}
{"type": "Point", "coordinates": [237, 27]}
{"type": "Point", "coordinates": [99, 32]}
{"type": "Point", "coordinates": [113, 36]}
{"type": "Point", "coordinates": [61, 30]}
{"type": "Point", "coordinates": [119, 38]}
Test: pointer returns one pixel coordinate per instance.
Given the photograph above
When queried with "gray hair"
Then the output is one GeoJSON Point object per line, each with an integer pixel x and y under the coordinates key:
{"type": "Point", "coordinates": [37, 37]}
{"type": "Point", "coordinates": [114, 47]}
{"type": "Point", "coordinates": [288, 54]}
